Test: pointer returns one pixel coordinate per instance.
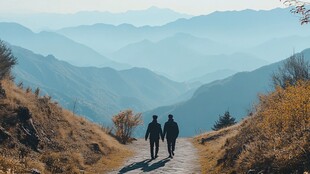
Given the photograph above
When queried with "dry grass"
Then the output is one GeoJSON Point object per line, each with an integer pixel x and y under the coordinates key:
{"type": "Point", "coordinates": [276, 139]}
{"type": "Point", "coordinates": [210, 146]}
{"type": "Point", "coordinates": [67, 144]}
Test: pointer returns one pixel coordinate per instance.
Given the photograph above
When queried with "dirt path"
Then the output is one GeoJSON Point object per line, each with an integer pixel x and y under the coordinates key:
{"type": "Point", "coordinates": [185, 160]}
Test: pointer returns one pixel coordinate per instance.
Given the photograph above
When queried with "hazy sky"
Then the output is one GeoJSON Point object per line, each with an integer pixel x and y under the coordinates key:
{"type": "Point", "coordinates": [194, 7]}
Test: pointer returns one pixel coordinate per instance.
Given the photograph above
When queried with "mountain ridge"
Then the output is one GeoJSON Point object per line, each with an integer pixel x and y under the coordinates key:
{"type": "Point", "coordinates": [38, 22]}
{"type": "Point", "coordinates": [100, 92]}
{"type": "Point", "coordinates": [236, 93]}
{"type": "Point", "coordinates": [180, 50]}
{"type": "Point", "coordinates": [52, 43]}
{"type": "Point", "coordinates": [37, 135]}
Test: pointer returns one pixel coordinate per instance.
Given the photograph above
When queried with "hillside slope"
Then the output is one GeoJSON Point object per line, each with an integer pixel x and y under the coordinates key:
{"type": "Point", "coordinates": [277, 48]}
{"type": "Point", "coordinates": [99, 92]}
{"type": "Point", "coordinates": [237, 94]}
{"type": "Point", "coordinates": [47, 43]}
{"type": "Point", "coordinates": [37, 134]}
{"type": "Point", "coordinates": [187, 55]}
{"type": "Point", "coordinates": [246, 27]}
{"type": "Point", "coordinates": [37, 21]}
{"type": "Point", "coordinates": [241, 29]}
{"type": "Point", "coordinates": [274, 139]}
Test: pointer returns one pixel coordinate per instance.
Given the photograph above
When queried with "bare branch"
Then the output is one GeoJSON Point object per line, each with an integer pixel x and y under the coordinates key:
{"type": "Point", "coordinates": [300, 8]}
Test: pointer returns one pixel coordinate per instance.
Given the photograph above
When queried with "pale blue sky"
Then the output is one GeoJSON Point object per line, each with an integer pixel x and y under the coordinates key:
{"type": "Point", "coordinates": [194, 7]}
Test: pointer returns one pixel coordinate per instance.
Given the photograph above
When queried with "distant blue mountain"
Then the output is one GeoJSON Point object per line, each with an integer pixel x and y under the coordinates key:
{"type": "Point", "coordinates": [46, 43]}
{"type": "Point", "coordinates": [106, 38]}
{"type": "Point", "coordinates": [277, 48]}
{"type": "Point", "coordinates": [99, 92]}
{"type": "Point", "coordinates": [213, 76]}
{"type": "Point", "coordinates": [152, 16]}
{"type": "Point", "coordinates": [184, 57]}
{"type": "Point", "coordinates": [235, 40]}
{"type": "Point", "coordinates": [244, 28]}
{"type": "Point", "coordinates": [240, 29]}
{"type": "Point", "coordinates": [237, 94]}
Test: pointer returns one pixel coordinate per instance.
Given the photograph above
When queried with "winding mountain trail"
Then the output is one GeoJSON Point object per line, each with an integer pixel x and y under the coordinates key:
{"type": "Point", "coordinates": [185, 160]}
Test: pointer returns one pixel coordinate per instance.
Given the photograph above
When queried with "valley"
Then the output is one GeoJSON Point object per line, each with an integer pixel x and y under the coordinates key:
{"type": "Point", "coordinates": [78, 89]}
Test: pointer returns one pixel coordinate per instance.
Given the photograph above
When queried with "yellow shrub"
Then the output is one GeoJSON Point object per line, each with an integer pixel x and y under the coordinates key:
{"type": "Point", "coordinates": [124, 123]}
{"type": "Point", "coordinates": [277, 138]}
{"type": "Point", "coordinates": [286, 111]}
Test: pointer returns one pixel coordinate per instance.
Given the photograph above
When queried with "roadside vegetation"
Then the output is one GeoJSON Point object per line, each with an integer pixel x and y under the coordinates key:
{"type": "Point", "coordinates": [124, 124]}
{"type": "Point", "coordinates": [225, 120]}
{"type": "Point", "coordinates": [39, 136]}
{"type": "Point", "coordinates": [275, 139]}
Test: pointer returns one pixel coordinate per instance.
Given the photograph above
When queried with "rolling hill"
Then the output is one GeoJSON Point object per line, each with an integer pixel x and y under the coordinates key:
{"type": "Point", "coordinates": [46, 43]}
{"type": "Point", "coordinates": [182, 51]}
{"type": "Point", "coordinates": [37, 21]}
{"type": "Point", "coordinates": [39, 136]}
{"type": "Point", "coordinates": [240, 29]}
{"type": "Point", "coordinates": [277, 48]}
{"type": "Point", "coordinates": [243, 28]}
{"type": "Point", "coordinates": [236, 93]}
{"type": "Point", "coordinates": [199, 45]}
{"type": "Point", "coordinates": [106, 38]}
{"type": "Point", "coordinates": [213, 76]}
{"type": "Point", "coordinates": [98, 93]}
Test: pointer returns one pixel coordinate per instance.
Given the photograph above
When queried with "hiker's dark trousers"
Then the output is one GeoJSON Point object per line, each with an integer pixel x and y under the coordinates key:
{"type": "Point", "coordinates": [152, 143]}
{"type": "Point", "coordinates": [171, 145]}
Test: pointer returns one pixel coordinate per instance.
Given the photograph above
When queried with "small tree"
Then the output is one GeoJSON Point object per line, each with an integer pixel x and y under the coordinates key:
{"type": "Point", "coordinates": [294, 69]}
{"type": "Point", "coordinates": [224, 121]}
{"type": "Point", "coordinates": [124, 123]}
{"type": "Point", "coordinates": [7, 60]}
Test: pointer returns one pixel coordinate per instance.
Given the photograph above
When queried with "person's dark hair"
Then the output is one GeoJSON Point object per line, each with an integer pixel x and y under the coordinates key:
{"type": "Point", "coordinates": [170, 116]}
{"type": "Point", "coordinates": [155, 117]}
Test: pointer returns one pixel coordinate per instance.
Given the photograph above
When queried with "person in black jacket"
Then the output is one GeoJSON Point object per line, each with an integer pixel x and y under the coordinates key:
{"type": "Point", "coordinates": [155, 132]}
{"type": "Point", "coordinates": [171, 131]}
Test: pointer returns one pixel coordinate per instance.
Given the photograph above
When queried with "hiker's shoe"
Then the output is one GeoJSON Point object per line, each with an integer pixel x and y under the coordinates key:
{"type": "Point", "coordinates": [170, 156]}
{"type": "Point", "coordinates": [156, 156]}
{"type": "Point", "coordinates": [172, 153]}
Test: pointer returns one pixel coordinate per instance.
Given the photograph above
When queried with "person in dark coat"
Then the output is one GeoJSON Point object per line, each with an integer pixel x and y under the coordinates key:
{"type": "Point", "coordinates": [171, 131]}
{"type": "Point", "coordinates": [155, 132]}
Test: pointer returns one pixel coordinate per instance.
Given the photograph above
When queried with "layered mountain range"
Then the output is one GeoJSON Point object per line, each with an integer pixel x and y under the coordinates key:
{"type": "Point", "coordinates": [52, 21]}
{"type": "Point", "coordinates": [96, 93]}
{"type": "Point", "coordinates": [99, 69]}
{"type": "Point", "coordinates": [236, 94]}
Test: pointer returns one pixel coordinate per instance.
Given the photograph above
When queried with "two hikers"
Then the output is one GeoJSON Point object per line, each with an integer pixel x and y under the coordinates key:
{"type": "Point", "coordinates": [171, 131]}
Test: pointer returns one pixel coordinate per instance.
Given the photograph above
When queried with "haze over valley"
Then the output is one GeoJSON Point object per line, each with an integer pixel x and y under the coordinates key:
{"type": "Point", "coordinates": [195, 67]}
{"type": "Point", "coordinates": [154, 86]}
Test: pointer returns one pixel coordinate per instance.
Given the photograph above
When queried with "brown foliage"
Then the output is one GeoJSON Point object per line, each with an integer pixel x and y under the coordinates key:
{"type": "Point", "coordinates": [66, 143]}
{"type": "Point", "coordinates": [210, 146]}
{"type": "Point", "coordinates": [37, 92]}
{"type": "Point", "coordinates": [277, 138]}
{"type": "Point", "coordinates": [124, 123]}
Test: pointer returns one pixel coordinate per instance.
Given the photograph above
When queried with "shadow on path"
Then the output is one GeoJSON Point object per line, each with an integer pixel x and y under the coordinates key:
{"type": "Point", "coordinates": [144, 165]}
{"type": "Point", "coordinates": [156, 165]}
